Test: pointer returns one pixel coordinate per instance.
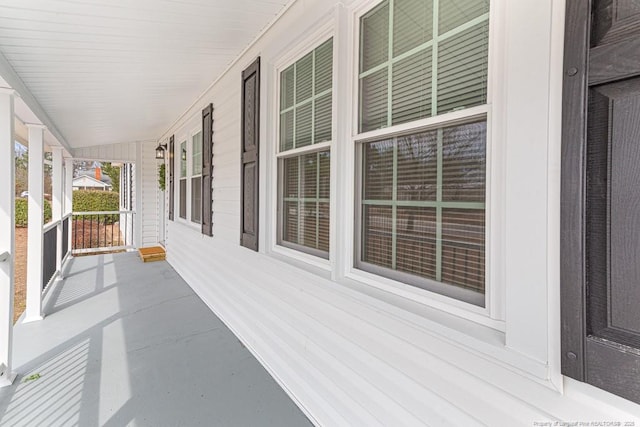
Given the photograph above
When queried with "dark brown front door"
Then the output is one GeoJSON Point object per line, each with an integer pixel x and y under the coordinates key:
{"type": "Point", "coordinates": [601, 196]}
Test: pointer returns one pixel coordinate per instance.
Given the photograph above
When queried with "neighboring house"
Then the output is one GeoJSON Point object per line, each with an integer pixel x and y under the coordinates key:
{"type": "Point", "coordinates": [92, 179]}
{"type": "Point", "coordinates": [393, 204]}
{"type": "Point", "coordinates": [87, 182]}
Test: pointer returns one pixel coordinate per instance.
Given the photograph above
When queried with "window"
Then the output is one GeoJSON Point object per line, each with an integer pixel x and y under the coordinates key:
{"type": "Point", "coordinates": [183, 179]}
{"type": "Point", "coordinates": [196, 177]}
{"type": "Point", "coordinates": [414, 64]}
{"type": "Point", "coordinates": [421, 205]}
{"type": "Point", "coordinates": [304, 157]}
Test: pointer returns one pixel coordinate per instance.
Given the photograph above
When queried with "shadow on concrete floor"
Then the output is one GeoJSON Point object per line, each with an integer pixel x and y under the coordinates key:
{"type": "Point", "coordinates": [128, 343]}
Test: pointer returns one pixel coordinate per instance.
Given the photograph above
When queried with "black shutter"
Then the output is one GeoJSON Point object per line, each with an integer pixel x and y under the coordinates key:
{"type": "Point", "coordinates": [600, 240]}
{"type": "Point", "coordinates": [171, 189]}
{"type": "Point", "coordinates": [207, 170]}
{"type": "Point", "coordinates": [249, 156]}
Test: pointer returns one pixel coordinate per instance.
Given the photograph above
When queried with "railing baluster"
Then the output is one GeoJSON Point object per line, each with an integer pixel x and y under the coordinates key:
{"type": "Point", "coordinates": [118, 239]}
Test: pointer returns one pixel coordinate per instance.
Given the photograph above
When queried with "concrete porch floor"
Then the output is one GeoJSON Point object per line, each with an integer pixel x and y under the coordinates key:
{"type": "Point", "coordinates": [128, 343]}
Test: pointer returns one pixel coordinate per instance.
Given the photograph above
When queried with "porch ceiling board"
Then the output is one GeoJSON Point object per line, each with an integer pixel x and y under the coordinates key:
{"type": "Point", "coordinates": [119, 71]}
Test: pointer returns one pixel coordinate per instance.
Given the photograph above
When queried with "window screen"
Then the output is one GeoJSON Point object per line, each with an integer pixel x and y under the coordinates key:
{"type": "Point", "coordinates": [305, 200]}
{"type": "Point", "coordinates": [183, 198]}
{"type": "Point", "coordinates": [423, 205]}
{"type": "Point", "coordinates": [306, 120]}
{"type": "Point", "coordinates": [196, 199]}
{"type": "Point", "coordinates": [305, 99]}
{"type": "Point", "coordinates": [422, 194]}
{"type": "Point", "coordinates": [183, 179]}
{"type": "Point", "coordinates": [421, 58]}
{"type": "Point", "coordinates": [196, 154]}
{"type": "Point", "coordinates": [183, 159]}
{"type": "Point", "coordinates": [196, 180]}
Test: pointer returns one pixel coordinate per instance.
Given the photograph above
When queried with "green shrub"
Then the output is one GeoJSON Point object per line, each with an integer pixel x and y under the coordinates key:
{"type": "Point", "coordinates": [22, 212]}
{"type": "Point", "coordinates": [96, 201]}
{"type": "Point", "coordinates": [161, 176]}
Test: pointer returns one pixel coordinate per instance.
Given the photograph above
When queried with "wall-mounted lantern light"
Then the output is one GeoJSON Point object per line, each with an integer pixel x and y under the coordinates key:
{"type": "Point", "coordinates": [184, 154]}
{"type": "Point", "coordinates": [160, 149]}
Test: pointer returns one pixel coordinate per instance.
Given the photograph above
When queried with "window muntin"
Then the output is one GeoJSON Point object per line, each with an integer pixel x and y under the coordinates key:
{"type": "Point", "coordinates": [183, 180]}
{"type": "Point", "coordinates": [304, 179]}
{"type": "Point", "coordinates": [421, 58]}
{"type": "Point", "coordinates": [306, 98]}
{"type": "Point", "coordinates": [423, 206]}
{"type": "Point", "coordinates": [305, 200]}
{"type": "Point", "coordinates": [421, 194]}
{"type": "Point", "coordinates": [183, 159]}
{"type": "Point", "coordinates": [196, 177]}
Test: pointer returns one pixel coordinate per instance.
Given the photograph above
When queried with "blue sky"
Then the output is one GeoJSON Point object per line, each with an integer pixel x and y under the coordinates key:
{"type": "Point", "coordinates": [20, 149]}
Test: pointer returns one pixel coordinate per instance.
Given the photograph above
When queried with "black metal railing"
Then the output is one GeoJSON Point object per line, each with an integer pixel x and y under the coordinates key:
{"type": "Point", "coordinates": [65, 236]}
{"type": "Point", "coordinates": [49, 253]}
{"type": "Point", "coordinates": [108, 231]}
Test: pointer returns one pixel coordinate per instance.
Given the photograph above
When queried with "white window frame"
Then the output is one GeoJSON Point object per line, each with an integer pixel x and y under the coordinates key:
{"type": "Point", "coordinates": [492, 314]}
{"type": "Point", "coordinates": [317, 37]}
{"type": "Point", "coordinates": [343, 24]}
{"type": "Point", "coordinates": [178, 156]}
{"type": "Point", "coordinates": [193, 174]}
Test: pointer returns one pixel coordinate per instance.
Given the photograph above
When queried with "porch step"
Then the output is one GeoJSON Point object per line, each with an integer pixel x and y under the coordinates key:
{"type": "Point", "coordinates": [154, 253]}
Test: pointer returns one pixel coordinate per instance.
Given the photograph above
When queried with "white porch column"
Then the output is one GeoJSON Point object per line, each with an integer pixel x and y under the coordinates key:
{"type": "Point", "coordinates": [7, 234]}
{"type": "Point", "coordinates": [56, 202]}
{"type": "Point", "coordinates": [68, 195]}
{"type": "Point", "coordinates": [36, 223]}
{"type": "Point", "coordinates": [137, 186]}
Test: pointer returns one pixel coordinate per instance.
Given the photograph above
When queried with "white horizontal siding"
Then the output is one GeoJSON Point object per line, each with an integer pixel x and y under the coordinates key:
{"type": "Point", "coordinates": [345, 358]}
{"type": "Point", "coordinates": [149, 190]}
{"type": "Point", "coordinates": [124, 152]}
{"type": "Point", "coordinates": [348, 354]}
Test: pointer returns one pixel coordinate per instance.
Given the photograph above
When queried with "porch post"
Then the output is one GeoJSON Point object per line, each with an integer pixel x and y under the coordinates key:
{"type": "Point", "coordinates": [68, 196]}
{"type": "Point", "coordinates": [7, 234]}
{"type": "Point", "coordinates": [56, 200]}
{"type": "Point", "coordinates": [36, 223]}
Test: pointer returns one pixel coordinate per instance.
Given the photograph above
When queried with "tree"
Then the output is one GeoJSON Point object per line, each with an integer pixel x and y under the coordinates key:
{"type": "Point", "coordinates": [112, 172]}
{"type": "Point", "coordinates": [22, 173]}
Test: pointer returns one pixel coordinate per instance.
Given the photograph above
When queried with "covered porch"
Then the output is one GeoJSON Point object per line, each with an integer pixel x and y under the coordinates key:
{"type": "Point", "coordinates": [129, 343]}
{"type": "Point", "coordinates": [382, 200]}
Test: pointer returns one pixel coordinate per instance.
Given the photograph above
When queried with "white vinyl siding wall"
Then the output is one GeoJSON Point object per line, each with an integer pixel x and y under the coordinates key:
{"type": "Point", "coordinates": [147, 211]}
{"type": "Point", "coordinates": [353, 348]}
{"type": "Point", "coordinates": [124, 152]}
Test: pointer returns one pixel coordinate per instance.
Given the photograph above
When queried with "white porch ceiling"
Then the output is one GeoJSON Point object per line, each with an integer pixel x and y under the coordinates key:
{"type": "Point", "coordinates": [112, 71]}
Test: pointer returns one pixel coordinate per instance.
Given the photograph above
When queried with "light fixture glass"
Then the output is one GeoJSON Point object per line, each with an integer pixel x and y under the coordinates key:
{"type": "Point", "coordinates": [160, 149]}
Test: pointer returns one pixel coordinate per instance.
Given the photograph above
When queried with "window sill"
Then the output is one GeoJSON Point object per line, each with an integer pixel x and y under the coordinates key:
{"type": "Point", "coordinates": [425, 297]}
{"type": "Point", "coordinates": [188, 224]}
{"type": "Point", "coordinates": [305, 259]}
